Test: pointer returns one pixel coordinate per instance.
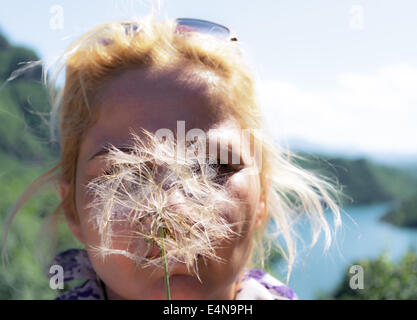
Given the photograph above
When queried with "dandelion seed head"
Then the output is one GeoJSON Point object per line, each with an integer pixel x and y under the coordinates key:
{"type": "Point", "coordinates": [154, 187]}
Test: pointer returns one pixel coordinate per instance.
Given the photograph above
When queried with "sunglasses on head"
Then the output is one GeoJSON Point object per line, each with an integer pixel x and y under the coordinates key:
{"type": "Point", "coordinates": [185, 25]}
{"type": "Point", "coordinates": [204, 26]}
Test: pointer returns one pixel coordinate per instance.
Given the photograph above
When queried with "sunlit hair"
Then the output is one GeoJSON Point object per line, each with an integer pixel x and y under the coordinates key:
{"type": "Point", "coordinates": [107, 50]}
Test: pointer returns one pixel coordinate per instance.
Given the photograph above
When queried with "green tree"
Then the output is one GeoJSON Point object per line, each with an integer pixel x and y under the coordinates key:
{"type": "Point", "coordinates": [383, 280]}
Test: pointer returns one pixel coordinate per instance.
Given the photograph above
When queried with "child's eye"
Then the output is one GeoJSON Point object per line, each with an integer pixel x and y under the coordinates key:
{"type": "Point", "coordinates": [225, 171]}
{"type": "Point", "coordinates": [110, 171]}
{"type": "Point", "coordinates": [224, 168]}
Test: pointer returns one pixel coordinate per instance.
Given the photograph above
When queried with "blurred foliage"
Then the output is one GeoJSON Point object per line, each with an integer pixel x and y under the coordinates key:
{"type": "Point", "coordinates": [383, 280]}
{"type": "Point", "coordinates": [24, 106]}
{"type": "Point", "coordinates": [28, 243]}
{"type": "Point", "coordinates": [18, 129]}
{"type": "Point", "coordinates": [25, 153]}
{"type": "Point", "coordinates": [4, 43]}
{"type": "Point", "coordinates": [404, 215]}
{"type": "Point", "coordinates": [13, 58]}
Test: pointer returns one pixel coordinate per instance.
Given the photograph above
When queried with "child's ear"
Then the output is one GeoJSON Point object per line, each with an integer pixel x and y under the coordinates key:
{"type": "Point", "coordinates": [260, 214]}
{"type": "Point", "coordinates": [73, 223]}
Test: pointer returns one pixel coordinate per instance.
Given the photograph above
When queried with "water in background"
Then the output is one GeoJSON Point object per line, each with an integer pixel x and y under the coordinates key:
{"type": "Point", "coordinates": [366, 239]}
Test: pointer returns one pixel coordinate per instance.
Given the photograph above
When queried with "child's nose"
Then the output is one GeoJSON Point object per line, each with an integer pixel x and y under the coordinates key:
{"type": "Point", "coordinates": [176, 200]}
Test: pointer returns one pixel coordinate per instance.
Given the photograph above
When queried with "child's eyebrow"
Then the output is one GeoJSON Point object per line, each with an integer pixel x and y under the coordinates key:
{"type": "Point", "coordinates": [105, 150]}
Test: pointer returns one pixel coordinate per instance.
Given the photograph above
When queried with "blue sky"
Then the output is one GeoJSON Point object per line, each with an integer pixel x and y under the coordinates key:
{"type": "Point", "coordinates": [341, 74]}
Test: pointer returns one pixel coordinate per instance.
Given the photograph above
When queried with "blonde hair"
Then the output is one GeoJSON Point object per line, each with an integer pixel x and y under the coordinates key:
{"type": "Point", "coordinates": [289, 191]}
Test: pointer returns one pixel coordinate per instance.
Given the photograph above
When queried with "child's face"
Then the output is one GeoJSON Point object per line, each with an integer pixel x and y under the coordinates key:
{"type": "Point", "coordinates": [134, 100]}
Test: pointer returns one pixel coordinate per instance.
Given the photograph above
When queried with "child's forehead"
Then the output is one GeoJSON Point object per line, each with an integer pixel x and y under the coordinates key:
{"type": "Point", "coordinates": [158, 99]}
{"type": "Point", "coordinates": [156, 84]}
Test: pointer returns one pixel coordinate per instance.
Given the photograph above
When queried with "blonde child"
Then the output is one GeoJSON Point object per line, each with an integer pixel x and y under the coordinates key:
{"type": "Point", "coordinates": [166, 174]}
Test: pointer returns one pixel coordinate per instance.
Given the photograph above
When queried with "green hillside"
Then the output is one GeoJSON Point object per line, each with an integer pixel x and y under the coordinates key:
{"type": "Point", "coordinates": [362, 180]}
{"type": "Point", "coordinates": [405, 214]}
{"type": "Point", "coordinates": [25, 153]}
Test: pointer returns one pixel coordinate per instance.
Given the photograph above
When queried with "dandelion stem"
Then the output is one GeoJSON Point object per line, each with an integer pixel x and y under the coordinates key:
{"type": "Point", "coordinates": [166, 277]}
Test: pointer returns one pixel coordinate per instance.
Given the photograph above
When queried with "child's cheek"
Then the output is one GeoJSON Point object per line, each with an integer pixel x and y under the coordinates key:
{"type": "Point", "coordinates": [244, 185]}
{"type": "Point", "coordinates": [126, 235]}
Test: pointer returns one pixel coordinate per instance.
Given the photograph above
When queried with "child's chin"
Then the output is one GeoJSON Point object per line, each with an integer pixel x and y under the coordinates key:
{"type": "Point", "coordinates": [182, 287]}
